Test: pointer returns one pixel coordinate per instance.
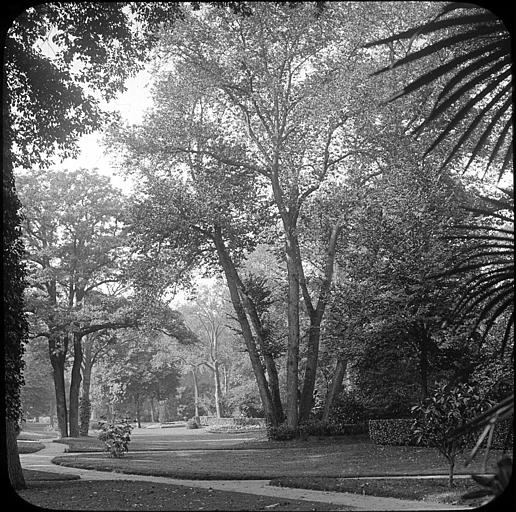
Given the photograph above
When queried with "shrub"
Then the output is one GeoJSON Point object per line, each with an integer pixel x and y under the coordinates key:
{"type": "Point", "coordinates": [192, 424]}
{"type": "Point", "coordinates": [347, 409]}
{"type": "Point", "coordinates": [397, 432]}
{"type": "Point", "coordinates": [448, 409]}
{"type": "Point", "coordinates": [116, 437]}
{"type": "Point", "coordinates": [281, 433]}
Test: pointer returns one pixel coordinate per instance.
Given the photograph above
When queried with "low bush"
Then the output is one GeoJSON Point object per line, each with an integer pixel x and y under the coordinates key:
{"type": "Point", "coordinates": [116, 437]}
{"type": "Point", "coordinates": [396, 432]}
{"type": "Point", "coordinates": [192, 424]}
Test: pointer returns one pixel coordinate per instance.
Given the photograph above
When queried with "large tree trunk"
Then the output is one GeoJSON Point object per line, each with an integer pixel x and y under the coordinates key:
{"type": "Point", "coordinates": [256, 363]}
{"type": "Point", "coordinates": [57, 359]}
{"type": "Point", "coordinates": [335, 387]}
{"type": "Point", "coordinates": [14, 469]}
{"type": "Point", "coordinates": [75, 386]}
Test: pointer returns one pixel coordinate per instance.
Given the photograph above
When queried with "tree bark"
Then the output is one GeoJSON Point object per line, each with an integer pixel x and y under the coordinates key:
{"type": "Point", "coordinates": [57, 359]}
{"type": "Point", "coordinates": [86, 384]}
{"type": "Point", "coordinates": [196, 392]}
{"type": "Point", "coordinates": [256, 363]}
{"type": "Point", "coordinates": [314, 334]}
{"type": "Point", "coordinates": [335, 387]}
{"type": "Point", "coordinates": [423, 363]}
{"type": "Point", "coordinates": [293, 336]}
{"type": "Point", "coordinates": [14, 469]}
{"type": "Point", "coordinates": [137, 400]}
{"type": "Point", "coordinates": [152, 415]}
{"type": "Point", "coordinates": [75, 386]}
{"type": "Point", "coordinates": [270, 365]}
{"type": "Point", "coordinates": [216, 378]}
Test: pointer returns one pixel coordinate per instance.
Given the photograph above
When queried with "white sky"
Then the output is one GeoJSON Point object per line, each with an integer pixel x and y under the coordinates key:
{"type": "Point", "coordinates": [132, 105]}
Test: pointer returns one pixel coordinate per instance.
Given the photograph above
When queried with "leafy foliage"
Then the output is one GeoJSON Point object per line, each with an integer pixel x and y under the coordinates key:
{"type": "Point", "coordinates": [490, 261]}
{"type": "Point", "coordinates": [438, 416]}
{"type": "Point", "coordinates": [116, 437]}
{"type": "Point", "coordinates": [475, 81]}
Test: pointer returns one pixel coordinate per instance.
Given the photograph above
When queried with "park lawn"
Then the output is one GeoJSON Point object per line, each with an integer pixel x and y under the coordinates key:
{"type": "Point", "coordinates": [163, 442]}
{"type": "Point", "coordinates": [25, 447]}
{"type": "Point", "coordinates": [332, 460]}
{"type": "Point", "coordinates": [131, 495]}
{"type": "Point", "coordinates": [430, 489]}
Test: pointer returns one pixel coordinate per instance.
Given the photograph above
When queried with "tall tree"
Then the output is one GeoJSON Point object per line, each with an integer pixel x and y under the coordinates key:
{"type": "Point", "coordinates": [45, 111]}
{"type": "Point", "coordinates": [269, 97]}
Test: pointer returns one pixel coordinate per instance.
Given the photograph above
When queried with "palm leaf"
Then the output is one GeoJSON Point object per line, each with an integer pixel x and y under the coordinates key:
{"type": "Point", "coordinates": [484, 62]}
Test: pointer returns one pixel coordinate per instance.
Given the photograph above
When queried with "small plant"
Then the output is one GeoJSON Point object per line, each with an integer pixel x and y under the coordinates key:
{"type": "Point", "coordinates": [438, 416]}
{"type": "Point", "coordinates": [116, 437]}
{"type": "Point", "coordinates": [192, 424]}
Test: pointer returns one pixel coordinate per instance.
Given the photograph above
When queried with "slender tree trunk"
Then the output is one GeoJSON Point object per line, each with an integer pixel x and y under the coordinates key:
{"type": "Point", "coordinates": [423, 364]}
{"type": "Point", "coordinates": [14, 469]}
{"type": "Point", "coordinates": [137, 400]}
{"type": "Point", "coordinates": [75, 386]}
{"type": "Point", "coordinates": [152, 416]}
{"type": "Point", "coordinates": [335, 387]}
{"type": "Point", "coordinates": [450, 477]}
{"type": "Point", "coordinates": [86, 384]}
{"type": "Point", "coordinates": [216, 378]}
{"type": "Point", "coordinates": [57, 360]}
{"type": "Point", "coordinates": [256, 363]}
{"type": "Point", "coordinates": [196, 392]}
{"type": "Point", "coordinates": [293, 336]}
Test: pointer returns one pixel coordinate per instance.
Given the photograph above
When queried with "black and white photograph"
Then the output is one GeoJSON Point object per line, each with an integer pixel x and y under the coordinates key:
{"type": "Point", "coordinates": [258, 256]}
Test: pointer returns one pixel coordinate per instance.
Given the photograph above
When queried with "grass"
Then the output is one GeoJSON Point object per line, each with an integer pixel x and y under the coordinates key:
{"type": "Point", "coordinates": [130, 495]}
{"type": "Point", "coordinates": [335, 460]}
{"type": "Point", "coordinates": [424, 489]}
{"type": "Point", "coordinates": [32, 475]}
{"type": "Point", "coordinates": [25, 447]}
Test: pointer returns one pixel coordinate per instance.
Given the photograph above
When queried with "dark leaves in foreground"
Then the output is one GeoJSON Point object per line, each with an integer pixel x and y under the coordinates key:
{"type": "Point", "coordinates": [490, 261]}
{"type": "Point", "coordinates": [476, 95]}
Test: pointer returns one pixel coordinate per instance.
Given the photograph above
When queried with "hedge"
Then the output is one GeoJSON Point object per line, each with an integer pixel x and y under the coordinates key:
{"type": "Point", "coordinates": [395, 432]}
{"type": "Point", "coordinates": [398, 432]}
{"type": "Point", "coordinates": [214, 421]}
{"type": "Point", "coordinates": [316, 428]}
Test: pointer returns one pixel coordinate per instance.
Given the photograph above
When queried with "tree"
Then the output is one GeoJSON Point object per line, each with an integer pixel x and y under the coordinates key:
{"type": "Point", "coordinates": [481, 55]}
{"type": "Point", "coordinates": [207, 317]}
{"type": "Point", "coordinates": [442, 413]}
{"type": "Point", "coordinates": [45, 111]}
{"type": "Point", "coordinates": [72, 233]}
{"type": "Point", "coordinates": [272, 109]}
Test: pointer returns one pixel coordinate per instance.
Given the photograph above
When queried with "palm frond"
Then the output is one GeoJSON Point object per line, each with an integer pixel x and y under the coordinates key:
{"type": "Point", "coordinates": [479, 71]}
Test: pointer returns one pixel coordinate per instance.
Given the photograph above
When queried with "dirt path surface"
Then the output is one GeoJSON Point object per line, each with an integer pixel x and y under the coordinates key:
{"type": "Point", "coordinates": [252, 491]}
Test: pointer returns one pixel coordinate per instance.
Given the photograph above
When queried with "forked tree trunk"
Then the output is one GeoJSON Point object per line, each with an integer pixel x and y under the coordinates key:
{"type": "Point", "coordinates": [256, 363]}
{"type": "Point", "coordinates": [14, 469]}
{"type": "Point", "coordinates": [316, 317]}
